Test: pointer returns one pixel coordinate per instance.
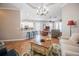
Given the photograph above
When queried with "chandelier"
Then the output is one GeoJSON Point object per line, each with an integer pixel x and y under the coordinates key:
{"type": "Point", "coordinates": [42, 11]}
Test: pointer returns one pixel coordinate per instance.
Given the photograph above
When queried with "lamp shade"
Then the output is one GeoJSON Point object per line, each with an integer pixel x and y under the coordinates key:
{"type": "Point", "coordinates": [71, 22]}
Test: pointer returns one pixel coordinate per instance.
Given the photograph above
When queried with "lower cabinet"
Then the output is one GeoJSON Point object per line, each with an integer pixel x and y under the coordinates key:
{"type": "Point", "coordinates": [30, 35]}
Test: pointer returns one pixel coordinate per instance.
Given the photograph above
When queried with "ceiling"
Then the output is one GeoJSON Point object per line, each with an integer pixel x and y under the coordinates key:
{"type": "Point", "coordinates": [28, 10]}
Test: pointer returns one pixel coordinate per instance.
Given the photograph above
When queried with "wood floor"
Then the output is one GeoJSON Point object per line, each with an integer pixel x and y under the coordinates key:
{"type": "Point", "coordinates": [22, 46]}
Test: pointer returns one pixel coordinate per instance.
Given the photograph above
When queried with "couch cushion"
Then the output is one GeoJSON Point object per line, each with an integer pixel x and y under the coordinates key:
{"type": "Point", "coordinates": [12, 53]}
{"type": "Point", "coordinates": [75, 37]}
{"type": "Point", "coordinates": [3, 51]}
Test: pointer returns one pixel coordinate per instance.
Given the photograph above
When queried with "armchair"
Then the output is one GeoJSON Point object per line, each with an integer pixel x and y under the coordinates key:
{"type": "Point", "coordinates": [55, 33]}
{"type": "Point", "coordinates": [52, 50]}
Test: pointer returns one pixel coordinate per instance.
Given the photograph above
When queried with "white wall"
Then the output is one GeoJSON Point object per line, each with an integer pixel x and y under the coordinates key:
{"type": "Point", "coordinates": [10, 24]}
{"type": "Point", "coordinates": [70, 11]}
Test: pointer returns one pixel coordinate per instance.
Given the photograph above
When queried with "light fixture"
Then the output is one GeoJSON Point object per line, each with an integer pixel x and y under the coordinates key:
{"type": "Point", "coordinates": [70, 23]}
{"type": "Point", "coordinates": [42, 11]}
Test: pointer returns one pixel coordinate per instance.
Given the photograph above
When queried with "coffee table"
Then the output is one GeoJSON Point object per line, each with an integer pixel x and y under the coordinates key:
{"type": "Point", "coordinates": [42, 48]}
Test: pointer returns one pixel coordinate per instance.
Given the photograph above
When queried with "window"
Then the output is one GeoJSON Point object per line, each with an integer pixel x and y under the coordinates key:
{"type": "Point", "coordinates": [58, 25]}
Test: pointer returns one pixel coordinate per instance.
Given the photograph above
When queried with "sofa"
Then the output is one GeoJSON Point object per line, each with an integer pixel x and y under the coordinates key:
{"type": "Point", "coordinates": [5, 52]}
{"type": "Point", "coordinates": [70, 47]}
